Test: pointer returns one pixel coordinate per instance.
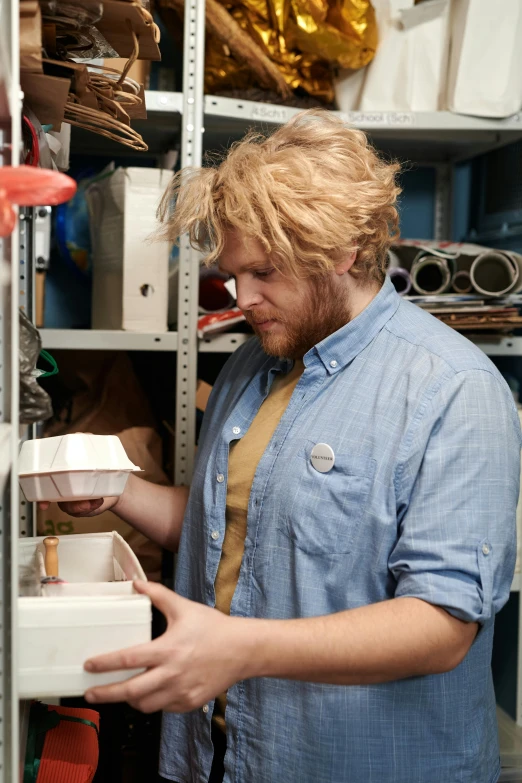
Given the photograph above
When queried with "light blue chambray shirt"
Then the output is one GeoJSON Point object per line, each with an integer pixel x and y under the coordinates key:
{"type": "Point", "coordinates": [420, 502]}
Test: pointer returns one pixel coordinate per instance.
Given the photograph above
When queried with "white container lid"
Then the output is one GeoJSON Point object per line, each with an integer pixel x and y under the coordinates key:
{"type": "Point", "coordinates": [76, 452]}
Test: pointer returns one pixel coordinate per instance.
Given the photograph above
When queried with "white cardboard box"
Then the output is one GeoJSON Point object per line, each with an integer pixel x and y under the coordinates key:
{"type": "Point", "coordinates": [130, 272]}
{"type": "Point", "coordinates": [96, 611]}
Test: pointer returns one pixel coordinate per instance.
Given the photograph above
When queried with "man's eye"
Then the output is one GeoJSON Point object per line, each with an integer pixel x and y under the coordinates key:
{"type": "Point", "coordinates": [263, 272]}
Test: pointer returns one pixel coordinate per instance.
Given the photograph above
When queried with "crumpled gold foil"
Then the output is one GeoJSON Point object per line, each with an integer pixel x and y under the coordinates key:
{"type": "Point", "coordinates": [306, 39]}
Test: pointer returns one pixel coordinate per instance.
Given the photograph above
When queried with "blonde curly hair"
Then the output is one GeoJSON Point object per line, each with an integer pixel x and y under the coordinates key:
{"type": "Point", "coordinates": [311, 192]}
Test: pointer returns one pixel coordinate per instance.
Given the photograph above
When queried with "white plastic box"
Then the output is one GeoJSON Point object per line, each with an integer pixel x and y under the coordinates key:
{"type": "Point", "coordinates": [130, 273]}
{"type": "Point", "coordinates": [74, 467]}
{"type": "Point", "coordinates": [96, 611]}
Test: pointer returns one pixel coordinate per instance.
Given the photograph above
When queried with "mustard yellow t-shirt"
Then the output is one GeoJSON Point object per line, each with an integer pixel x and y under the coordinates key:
{"type": "Point", "coordinates": [243, 460]}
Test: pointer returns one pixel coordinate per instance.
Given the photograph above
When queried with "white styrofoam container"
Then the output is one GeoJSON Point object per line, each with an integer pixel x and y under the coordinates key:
{"type": "Point", "coordinates": [130, 273]}
{"type": "Point", "coordinates": [89, 615]}
{"type": "Point", "coordinates": [74, 467]}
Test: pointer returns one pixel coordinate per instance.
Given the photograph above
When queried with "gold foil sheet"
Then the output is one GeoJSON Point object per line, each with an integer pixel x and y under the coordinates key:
{"type": "Point", "coordinates": [306, 39]}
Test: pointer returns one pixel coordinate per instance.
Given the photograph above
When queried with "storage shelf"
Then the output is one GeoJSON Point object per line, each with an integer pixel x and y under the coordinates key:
{"type": "Point", "coordinates": [110, 340]}
{"type": "Point", "coordinates": [504, 346]}
{"type": "Point", "coordinates": [429, 137]}
{"type": "Point", "coordinates": [223, 343]}
{"type": "Point", "coordinates": [422, 136]}
{"type": "Point", "coordinates": [113, 340]}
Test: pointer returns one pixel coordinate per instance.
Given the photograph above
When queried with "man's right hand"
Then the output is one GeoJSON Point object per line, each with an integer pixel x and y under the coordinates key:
{"type": "Point", "coordinates": [84, 508]}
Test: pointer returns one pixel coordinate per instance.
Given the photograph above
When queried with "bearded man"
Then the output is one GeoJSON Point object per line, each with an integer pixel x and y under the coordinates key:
{"type": "Point", "coordinates": [350, 530]}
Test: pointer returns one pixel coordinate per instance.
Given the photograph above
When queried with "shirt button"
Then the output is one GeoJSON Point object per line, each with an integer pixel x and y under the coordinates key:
{"type": "Point", "coordinates": [236, 430]}
{"type": "Point", "coordinates": [485, 549]}
{"type": "Point", "coordinates": [214, 535]}
{"type": "Point", "coordinates": [333, 364]}
{"type": "Point", "coordinates": [220, 478]}
{"type": "Point", "coordinates": [205, 708]}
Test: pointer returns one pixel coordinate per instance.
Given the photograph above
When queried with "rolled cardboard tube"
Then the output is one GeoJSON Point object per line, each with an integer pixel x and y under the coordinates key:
{"type": "Point", "coordinates": [494, 273]}
{"type": "Point", "coordinates": [401, 280]}
{"type": "Point", "coordinates": [392, 261]}
{"type": "Point", "coordinates": [51, 555]}
{"type": "Point", "coordinates": [461, 282]}
{"type": "Point", "coordinates": [431, 276]}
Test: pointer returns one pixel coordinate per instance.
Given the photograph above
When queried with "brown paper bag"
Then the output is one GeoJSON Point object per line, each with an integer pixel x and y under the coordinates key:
{"type": "Point", "coordinates": [30, 36]}
{"type": "Point", "coordinates": [107, 399]}
{"type": "Point", "coordinates": [46, 96]}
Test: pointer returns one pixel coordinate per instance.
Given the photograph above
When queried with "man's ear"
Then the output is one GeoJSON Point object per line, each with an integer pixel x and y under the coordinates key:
{"type": "Point", "coordinates": [346, 264]}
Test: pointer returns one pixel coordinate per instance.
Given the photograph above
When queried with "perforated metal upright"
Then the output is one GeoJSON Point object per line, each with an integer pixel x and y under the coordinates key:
{"type": "Point", "coordinates": [191, 155]}
{"type": "Point", "coordinates": [10, 108]}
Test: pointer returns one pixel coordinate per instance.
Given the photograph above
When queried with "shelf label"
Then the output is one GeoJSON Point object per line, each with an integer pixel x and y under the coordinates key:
{"type": "Point", "coordinates": [270, 113]}
{"type": "Point", "coordinates": [380, 119]}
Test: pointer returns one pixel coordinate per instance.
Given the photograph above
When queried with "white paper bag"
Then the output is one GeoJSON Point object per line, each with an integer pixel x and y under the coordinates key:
{"type": "Point", "coordinates": [485, 74]}
{"type": "Point", "coordinates": [408, 72]}
{"type": "Point", "coordinates": [348, 88]}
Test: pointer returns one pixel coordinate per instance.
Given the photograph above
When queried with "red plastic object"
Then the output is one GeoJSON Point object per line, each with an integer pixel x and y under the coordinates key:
{"type": "Point", "coordinates": [7, 216]}
{"type": "Point", "coordinates": [28, 186]}
{"type": "Point", "coordinates": [213, 295]}
{"type": "Point", "coordinates": [70, 751]}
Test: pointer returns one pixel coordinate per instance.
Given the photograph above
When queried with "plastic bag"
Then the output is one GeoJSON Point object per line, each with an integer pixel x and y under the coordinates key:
{"type": "Point", "coordinates": [35, 403]}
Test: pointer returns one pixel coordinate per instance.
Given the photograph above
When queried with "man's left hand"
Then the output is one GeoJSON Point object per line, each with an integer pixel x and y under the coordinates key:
{"type": "Point", "coordinates": [198, 657]}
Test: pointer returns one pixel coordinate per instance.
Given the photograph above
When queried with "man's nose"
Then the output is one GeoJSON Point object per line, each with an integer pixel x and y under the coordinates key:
{"type": "Point", "coordinates": [248, 294]}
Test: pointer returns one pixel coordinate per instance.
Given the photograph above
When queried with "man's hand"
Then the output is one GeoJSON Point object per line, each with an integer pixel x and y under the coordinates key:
{"type": "Point", "coordinates": [200, 655]}
{"type": "Point", "coordinates": [84, 508]}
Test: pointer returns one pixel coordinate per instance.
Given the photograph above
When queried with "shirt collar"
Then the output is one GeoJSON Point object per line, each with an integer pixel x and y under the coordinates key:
{"type": "Point", "coordinates": [340, 348]}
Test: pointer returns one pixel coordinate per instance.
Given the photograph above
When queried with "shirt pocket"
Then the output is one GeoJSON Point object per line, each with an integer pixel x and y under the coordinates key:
{"type": "Point", "coordinates": [323, 511]}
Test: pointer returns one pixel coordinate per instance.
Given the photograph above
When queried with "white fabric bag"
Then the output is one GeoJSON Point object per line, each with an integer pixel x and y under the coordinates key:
{"type": "Point", "coordinates": [485, 74]}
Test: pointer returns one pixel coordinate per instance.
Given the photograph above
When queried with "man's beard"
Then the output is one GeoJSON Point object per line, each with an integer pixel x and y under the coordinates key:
{"type": "Point", "coordinates": [321, 313]}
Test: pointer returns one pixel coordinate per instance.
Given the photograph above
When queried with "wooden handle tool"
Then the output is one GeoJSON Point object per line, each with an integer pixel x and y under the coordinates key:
{"type": "Point", "coordinates": [51, 555]}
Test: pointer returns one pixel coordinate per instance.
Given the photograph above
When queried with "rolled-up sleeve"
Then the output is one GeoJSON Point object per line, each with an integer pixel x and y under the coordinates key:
{"type": "Point", "coordinates": [457, 488]}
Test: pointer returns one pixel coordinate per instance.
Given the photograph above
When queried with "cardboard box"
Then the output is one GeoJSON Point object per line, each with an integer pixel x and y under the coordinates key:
{"type": "Point", "coordinates": [95, 612]}
{"type": "Point", "coordinates": [130, 272]}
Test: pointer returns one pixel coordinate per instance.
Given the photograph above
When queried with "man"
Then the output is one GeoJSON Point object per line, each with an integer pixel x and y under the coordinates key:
{"type": "Point", "coordinates": [350, 530]}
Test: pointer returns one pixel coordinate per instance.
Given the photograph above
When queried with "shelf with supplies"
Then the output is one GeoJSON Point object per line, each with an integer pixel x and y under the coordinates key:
{"type": "Point", "coordinates": [107, 340]}
{"type": "Point", "coordinates": [114, 340]}
{"type": "Point", "coordinates": [427, 136]}
{"type": "Point", "coordinates": [422, 136]}
{"type": "Point", "coordinates": [227, 342]}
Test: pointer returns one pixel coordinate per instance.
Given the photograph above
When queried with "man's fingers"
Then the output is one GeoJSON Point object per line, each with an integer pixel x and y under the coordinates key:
{"type": "Point", "coordinates": [143, 656]}
{"type": "Point", "coordinates": [132, 690]}
{"type": "Point", "coordinates": [81, 508]}
{"type": "Point", "coordinates": [152, 702]}
{"type": "Point", "coordinates": [163, 599]}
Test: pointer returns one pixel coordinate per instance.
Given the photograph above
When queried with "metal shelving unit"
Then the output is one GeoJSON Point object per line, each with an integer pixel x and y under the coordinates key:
{"type": "Point", "coordinates": [10, 135]}
{"type": "Point", "coordinates": [209, 122]}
